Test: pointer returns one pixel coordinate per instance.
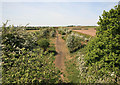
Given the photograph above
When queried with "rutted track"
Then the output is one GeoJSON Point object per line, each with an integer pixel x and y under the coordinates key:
{"type": "Point", "coordinates": [59, 62]}
{"type": "Point", "coordinates": [63, 53]}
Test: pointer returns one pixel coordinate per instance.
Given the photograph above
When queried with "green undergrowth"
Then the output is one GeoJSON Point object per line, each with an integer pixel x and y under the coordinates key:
{"type": "Point", "coordinates": [72, 66]}
{"type": "Point", "coordinates": [72, 71]}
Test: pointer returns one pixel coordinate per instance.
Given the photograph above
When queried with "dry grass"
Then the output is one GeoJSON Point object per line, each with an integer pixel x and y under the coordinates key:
{"type": "Point", "coordinates": [32, 30]}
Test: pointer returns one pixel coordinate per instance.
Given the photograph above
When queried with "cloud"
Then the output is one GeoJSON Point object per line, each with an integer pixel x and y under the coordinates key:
{"type": "Point", "coordinates": [53, 13]}
{"type": "Point", "coordinates": [60, 0]}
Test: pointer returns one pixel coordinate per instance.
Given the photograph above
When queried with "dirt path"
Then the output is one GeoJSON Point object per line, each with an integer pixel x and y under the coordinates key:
{"type": "Point", "coordinates": [62, 53]}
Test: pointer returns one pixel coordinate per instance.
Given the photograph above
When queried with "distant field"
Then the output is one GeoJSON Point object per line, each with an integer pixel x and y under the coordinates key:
{"type": "Point", "coordinates": [82, 27]}
{"type": "Point", "coordinates": [32, 30]}
{"type": "Point", "coordinates": [88, 32]}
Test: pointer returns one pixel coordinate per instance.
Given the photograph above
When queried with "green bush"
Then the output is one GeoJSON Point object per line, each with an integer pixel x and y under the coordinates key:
{"type": "Point", "coordinates": [73, 42]}
{"type": "Point", "coordinates": [64, 31]}
{"type": "Point", "coordinates": [63, 37]}
{"type": "Point", "coordinates": [53, 33]}
{"type": "Point", "coordinates": [43, 43]}
{"type": "Point", "coordinates": [25, 62]}
{"type": "Point", "coordinates": [103, 52]}
{"type": "Point", "coordinates": [85, 28]}
{"type": "Point", "coordinates": [29, 68]}
{"type": "Point", "coordinates": [43, 33]}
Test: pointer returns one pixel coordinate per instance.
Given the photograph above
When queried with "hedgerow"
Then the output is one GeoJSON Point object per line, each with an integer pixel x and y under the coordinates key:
{"type": "Point", "coordinates": [24, 61]}
{"type": "Point", "coordinates": [103, 52]}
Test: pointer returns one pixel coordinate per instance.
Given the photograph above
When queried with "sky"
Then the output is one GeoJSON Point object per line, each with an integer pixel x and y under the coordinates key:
{"type": "Point", "coordinates": [53, 13]}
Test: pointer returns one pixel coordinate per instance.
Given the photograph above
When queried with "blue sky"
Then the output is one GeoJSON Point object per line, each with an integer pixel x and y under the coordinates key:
{"type": "Point", "coordinates": [54, 13]}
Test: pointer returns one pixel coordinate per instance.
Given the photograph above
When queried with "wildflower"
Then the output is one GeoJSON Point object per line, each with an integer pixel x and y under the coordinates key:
{"type": "Point", "coordinates": [112, 74]}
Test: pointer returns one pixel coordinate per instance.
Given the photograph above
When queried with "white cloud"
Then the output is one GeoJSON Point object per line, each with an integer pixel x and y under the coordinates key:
{"type": "Point", "coordinates": [53, 13]}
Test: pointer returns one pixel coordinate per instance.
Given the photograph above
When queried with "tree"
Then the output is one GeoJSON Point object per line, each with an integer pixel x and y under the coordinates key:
{"type": "Point", "coordinates": [103, 52]}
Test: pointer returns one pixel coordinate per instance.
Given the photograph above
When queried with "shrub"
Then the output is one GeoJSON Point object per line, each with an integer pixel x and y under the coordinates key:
{"type": "Point", "coordinates": [53, 33]}
{"type": "Point", "coordinates": [73, 42]}
{"type": "Point", "coordinates": [43, 43]}
{"type": "Point", "coordinates": [63, 37]}
{"type": "Point", "coordinates": [24, 65]}
{"type": "Point", "coordinates": [77, 28]}
{"type": "Point", "coordinates": [103, 52]}
{"type": "Point", "coordinates": [29, 68]}
{"type": "Point", "coordinates": [64, 31]}
{"type": "Point", "coordinates": [85, 28]}
{"type": "Point", "coordinates": [43, 33]}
